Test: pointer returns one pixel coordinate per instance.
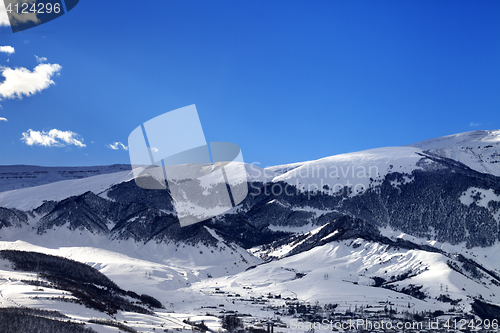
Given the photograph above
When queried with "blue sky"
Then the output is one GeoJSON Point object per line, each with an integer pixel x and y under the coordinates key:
{"type": "Point", "coordinates": [286, 80]}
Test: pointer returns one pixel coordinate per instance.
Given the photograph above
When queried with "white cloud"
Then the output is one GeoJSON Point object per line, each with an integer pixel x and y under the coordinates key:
{"type": "Point", "coordinates": [4, 19]}
{"type": "Point", "coordinates": [21, 81]}
{"type": "Point", "coordinates": [40, 60]}
{"type": "Point", "coordinates": [117, 145]}
{"type": "Point", "coordinates": [475, 124]}
{"type": "Point", "coordinates": [7, 49]}
{"type": "Point", "coordinates": [52, 138]}
{"type": "Point", "coordinates": [3, 119]}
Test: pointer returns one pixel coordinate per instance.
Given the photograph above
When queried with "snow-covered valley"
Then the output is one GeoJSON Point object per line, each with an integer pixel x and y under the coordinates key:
{"type": "Point", "coordinates": [418, 237]}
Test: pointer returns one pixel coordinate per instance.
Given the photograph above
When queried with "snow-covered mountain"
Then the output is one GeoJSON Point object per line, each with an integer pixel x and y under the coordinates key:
{"type": "Point", "coordinates": [415, 228]}
{"type": "Point", "coordinates": [13, 177]}
{"type": "Point", "coordinates": [479, 150]}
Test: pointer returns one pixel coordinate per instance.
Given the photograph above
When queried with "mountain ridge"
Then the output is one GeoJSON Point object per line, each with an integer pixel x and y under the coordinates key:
{"type": "Point", "coordinates": [420, 219]}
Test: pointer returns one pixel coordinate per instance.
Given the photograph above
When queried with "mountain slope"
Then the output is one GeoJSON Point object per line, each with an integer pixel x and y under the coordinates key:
{"type": "Point", "coordinates": [479, 150]}
{"type": "Point", "coordinates": [14, 177]}
{"type": "Point", "coordinates": [416, 224]}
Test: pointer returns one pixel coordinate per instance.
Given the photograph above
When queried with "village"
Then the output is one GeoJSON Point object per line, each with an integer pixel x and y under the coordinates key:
{"type": "Point", "coordinates": [290, 315]}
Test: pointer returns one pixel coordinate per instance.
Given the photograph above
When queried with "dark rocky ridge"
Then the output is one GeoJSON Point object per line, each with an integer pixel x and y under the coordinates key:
{"type": "Point", "coordinates": [428, 206]}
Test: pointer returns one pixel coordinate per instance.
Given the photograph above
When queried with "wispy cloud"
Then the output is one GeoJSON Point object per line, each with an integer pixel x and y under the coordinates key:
{"type": "Point", "coordinates": [475, 124]}
{"type": "Point", "coordinates": [40, 60]}
{"type": "Point", "coordinates": [3, 119]}
{"type": "Point", "coordinates": [117, 145]}
{"type": "Point", "coordinates": [21, 82]}
{"type": "Point", "coordinates": [7, 49]}
{"type": "Point", "coordinates": [52, 138]}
